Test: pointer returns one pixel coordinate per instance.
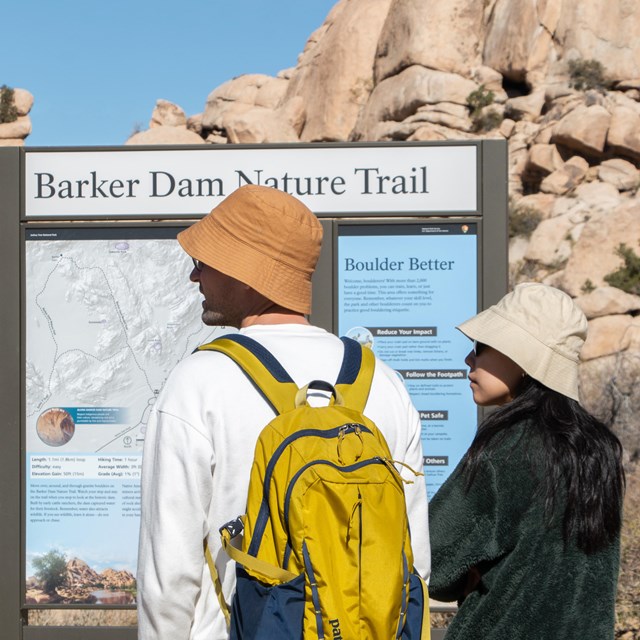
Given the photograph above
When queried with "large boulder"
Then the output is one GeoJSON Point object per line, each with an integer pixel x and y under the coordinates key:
{"type": "Point", "coordinates": [610, 334]}
{"type": "Point", "coordinates": [23, 101]}
{"type": "Point", "coordinates": [518, 38]}
{"type": "Point", "coordinates": [527, 107]}
{"type": "Point", "coordinates": [19, 128]}
{"type": "Point", "coordinates": [566, 178]}
{"type": "Point", "coordinates": [165, 135]}
{"type": "Point", "coordinates": [602, 30]}
{"type": "Point", "coordinates": [550, 243]}
{"type": "Point", "coordinates": [606, 301]}
{"type": "Point", "coordinates": [241, 94]}
{"type": "Point", "coordinates": [167, 114]}
{"type": "Point", "coordinates": [624, 132]}
{"type": "Point", "coordinates": [334, 76]}
{"type": "Point", "coordinates": [584, 129]}
{"type": "Point", "coordinates": [599, 196]}
{"type": "Point", "coordinates": [258, 125]}
{"type": "Point", "coordinates": [446, 35]}
{"type": "Point", "coordinates": [620, 173]}
{"type": "Point", "coordinates": [544, 159]}
{"type": "Point", "coordinates": [532, 41]}
{"type": "Point", "coordinates": [594, 254]}
{"type": "Point", "coordinates": [403, 95]}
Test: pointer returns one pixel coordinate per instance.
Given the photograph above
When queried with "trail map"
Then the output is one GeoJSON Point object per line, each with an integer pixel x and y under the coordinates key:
{"type": "Point", "coordinates": [107, 320]}
{"type": "Point", "coordinates": [109, 313]}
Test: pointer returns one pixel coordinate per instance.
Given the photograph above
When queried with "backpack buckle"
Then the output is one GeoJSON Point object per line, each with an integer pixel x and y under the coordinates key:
{"type": "Point", "coordinates": [233, 528]}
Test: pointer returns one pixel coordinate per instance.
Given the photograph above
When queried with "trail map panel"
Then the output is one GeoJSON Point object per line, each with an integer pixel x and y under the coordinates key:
{"type": "Point", "coordinates": [109, 313]}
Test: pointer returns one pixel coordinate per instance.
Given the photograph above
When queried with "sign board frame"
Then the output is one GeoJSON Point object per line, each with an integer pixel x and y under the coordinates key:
{"type": "Point", "coordinates": [17, 211]}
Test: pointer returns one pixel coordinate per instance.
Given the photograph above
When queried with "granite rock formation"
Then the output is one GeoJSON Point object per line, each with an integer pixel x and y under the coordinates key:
{"type": "Point", "coordinates": [561, 84]}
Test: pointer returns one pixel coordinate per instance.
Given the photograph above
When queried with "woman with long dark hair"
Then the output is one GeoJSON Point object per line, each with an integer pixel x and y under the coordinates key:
{"type": "Point", "coordinates": [525, 532]}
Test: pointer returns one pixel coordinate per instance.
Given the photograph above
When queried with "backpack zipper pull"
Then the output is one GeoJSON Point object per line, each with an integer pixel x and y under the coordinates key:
{"type": "Point", "coordinates": [357, 505]}
{"type": "Point", "coordinates": [342, 433]}
{"type": "Point", "coordinates": [406, 466]}
{"type": "Point", "coordinates": [390, 464]}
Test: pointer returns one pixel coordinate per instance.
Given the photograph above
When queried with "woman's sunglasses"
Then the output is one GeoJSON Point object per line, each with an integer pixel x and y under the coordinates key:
{"type": "Point", "coordinates": [478, 347]}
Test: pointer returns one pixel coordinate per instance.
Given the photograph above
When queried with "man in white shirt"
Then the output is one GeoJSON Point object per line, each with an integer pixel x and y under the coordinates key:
{"type": "Point", "coordinates": [254, 256]}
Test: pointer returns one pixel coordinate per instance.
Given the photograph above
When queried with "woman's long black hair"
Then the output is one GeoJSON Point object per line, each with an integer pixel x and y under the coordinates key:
{"type": "Point", "coordinates": [582, 461]}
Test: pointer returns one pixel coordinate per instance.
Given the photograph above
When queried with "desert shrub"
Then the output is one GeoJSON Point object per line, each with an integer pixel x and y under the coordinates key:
{"type": "Point", "coordinates": [51, 570]}
{"type": "Point", "coordinates": [627, 277]}
{"type": "Point", "coordinates": [8, 111]}
{"type": "Point", "coordinates": [476, 101]}
{"type": "Point", "coordinates": [587, 74]}
{"type": "Point", "coordinates": [479, 99]}
{"type": "Point", "coordinates": [523, 220]}
{"type": "Point", "coordinates": [487, 120]}
{"type": "Point", "coordinates": [588, 286]}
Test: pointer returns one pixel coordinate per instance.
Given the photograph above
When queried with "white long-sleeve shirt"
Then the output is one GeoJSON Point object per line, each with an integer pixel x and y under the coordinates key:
{"type": "Point", "coordinates": [197, 458]}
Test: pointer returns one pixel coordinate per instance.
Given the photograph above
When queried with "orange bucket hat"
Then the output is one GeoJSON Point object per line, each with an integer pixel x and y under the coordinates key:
{"type": "Point", "coordinates": [264, 238]}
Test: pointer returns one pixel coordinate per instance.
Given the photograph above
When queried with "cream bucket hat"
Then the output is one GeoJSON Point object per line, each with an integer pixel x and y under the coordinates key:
{"type": "Point", "coordinates": [541, 329]}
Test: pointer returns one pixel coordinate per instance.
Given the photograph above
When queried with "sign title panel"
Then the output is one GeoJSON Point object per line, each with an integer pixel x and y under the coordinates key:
{"type": "Point", "coordinates": [356, 179]}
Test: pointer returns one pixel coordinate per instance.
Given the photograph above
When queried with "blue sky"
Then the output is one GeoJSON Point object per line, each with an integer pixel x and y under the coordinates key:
{"type": "Point", "coordinates": [96, 69]}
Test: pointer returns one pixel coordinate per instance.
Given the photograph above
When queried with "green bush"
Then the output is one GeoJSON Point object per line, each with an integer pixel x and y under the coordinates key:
{"type": "Point", "coordinates": [8, 111]}
{"type": "Point", "coordinates": [626, 277]}
{"type": "Point", "coordinates": [523, 221]}
{"type": "Point", "coordinates": [51, 570]}
{"type": "Point", "coordinates": [476, 101]}
{"type": "Point", "coordinates": [479, 99]}
{"type": "Point", "coordinates": [587, 74]}
{"type": "Point", "coordinates": [588, 286]}
{"type": "Point", "coordinates": [487, 121]}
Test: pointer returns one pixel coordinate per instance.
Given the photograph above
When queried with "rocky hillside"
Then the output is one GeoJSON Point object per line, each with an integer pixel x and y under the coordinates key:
{"type": "Point", "coordinates": [559, 80]}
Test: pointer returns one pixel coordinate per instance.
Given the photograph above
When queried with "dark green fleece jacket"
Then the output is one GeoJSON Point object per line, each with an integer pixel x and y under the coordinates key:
{"type": "Point", "coordinates": [532, 586]}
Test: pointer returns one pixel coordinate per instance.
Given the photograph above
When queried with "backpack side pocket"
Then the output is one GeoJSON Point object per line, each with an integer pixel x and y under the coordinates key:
{"type": "Point", "coordinates": [265, 612]}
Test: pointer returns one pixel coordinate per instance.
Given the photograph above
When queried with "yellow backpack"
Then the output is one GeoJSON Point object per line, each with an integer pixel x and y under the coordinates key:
{"type": "Point", "coordinates": [326, 551]}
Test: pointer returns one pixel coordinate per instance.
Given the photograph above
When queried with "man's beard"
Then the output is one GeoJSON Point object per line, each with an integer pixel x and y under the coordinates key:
{"type": "Point", "coordinates": [212, 318]}
{"type": "Point", "coordinates": [219, 318]}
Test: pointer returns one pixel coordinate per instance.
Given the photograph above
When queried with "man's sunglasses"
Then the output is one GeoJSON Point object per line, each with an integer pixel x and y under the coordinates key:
{"type": "Point", "coordinates": [198, 264]}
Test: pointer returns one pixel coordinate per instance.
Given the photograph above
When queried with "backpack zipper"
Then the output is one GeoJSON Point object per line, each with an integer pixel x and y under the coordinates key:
{"type": "Point", "coordinates": [263, 513]}
{"type": "Point", "coordinates": [348, 469]}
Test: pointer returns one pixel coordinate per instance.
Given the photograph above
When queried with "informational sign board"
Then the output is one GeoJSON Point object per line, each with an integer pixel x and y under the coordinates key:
{"type": "Point", "coordinates": [108, 313]}
{"type": "Point", "coordinates": [98, 309]}
{"type": "Point", "coordinates": [402, 289]}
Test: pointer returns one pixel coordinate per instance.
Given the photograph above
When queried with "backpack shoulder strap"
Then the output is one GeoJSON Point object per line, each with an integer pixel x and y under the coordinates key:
{"type": "Point", "coordinates": [356, 374]}
{"type": "Point", "coordinates": [276, 385]}
{"type": "Point", "coordinates": [267, 375]}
